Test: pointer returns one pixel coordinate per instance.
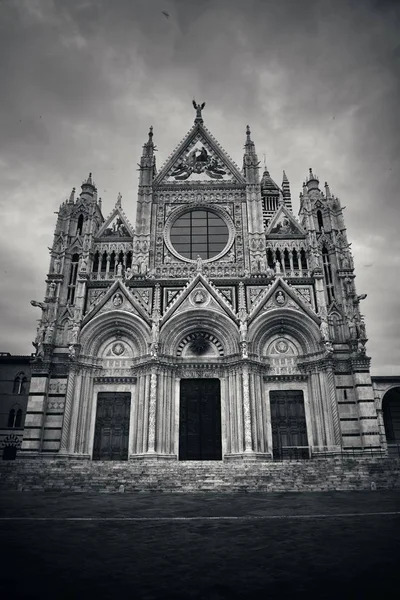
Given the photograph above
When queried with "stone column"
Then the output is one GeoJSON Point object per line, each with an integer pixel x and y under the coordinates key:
{"type": "Point", "coordinates": [248, 447]}
{"type": "Point", "coordinates": [317, 413]}
{"type": "Point", "coordinates": [151, 448]}
{"type": "Point", "coordinates": [68, 409]}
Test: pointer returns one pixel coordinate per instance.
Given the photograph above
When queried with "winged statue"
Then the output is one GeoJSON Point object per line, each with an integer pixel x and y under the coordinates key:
{"type": "Point", "coordinates": [198, 108]}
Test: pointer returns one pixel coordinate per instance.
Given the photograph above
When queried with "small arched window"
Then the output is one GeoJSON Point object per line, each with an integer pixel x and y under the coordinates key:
{"type": "Point", "coordinates": [80, 225]}
{"type": "Point", "coordinates": [330, 289]}
{"type": "Point", "coordinates": [20, 384]}
{"type": "Point", "coordinates": [15, 417]}
{"type": "Point", "coordinates": [72, 279]}
{"type": "Point", "coordinates": [320, 220]}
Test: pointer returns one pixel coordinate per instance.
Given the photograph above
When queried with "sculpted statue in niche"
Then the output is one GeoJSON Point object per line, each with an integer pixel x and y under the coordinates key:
{"type": "Point", "coordinates": [52, 289]}
{"type": "Point", "coordinates": [199, 297]}
{"type": "Point", "coordinates": [280, 298]}
{"type": "Point", "coordinates": [48, 338]}
{"type": "Point", "coordinates": [56, 265]}
{"type": "Point", "coordinates": [199, 264]}
{"type": "Point", "coordinates": [324, 329]}
{"type": "Point", "coordinates": [74, 333]}
{"type": "Point", "coordinates": [277, 267]}
{"type": "Point", "coordinates": [117, 300]}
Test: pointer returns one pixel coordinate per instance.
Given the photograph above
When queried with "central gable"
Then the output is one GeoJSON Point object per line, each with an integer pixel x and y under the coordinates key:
{"type": "Point", "coordinates": [199, 158]}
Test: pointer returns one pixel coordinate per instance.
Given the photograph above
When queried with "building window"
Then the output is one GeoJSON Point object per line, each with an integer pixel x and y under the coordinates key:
{"type": "Point", "coordinates": [15, 417]}
{"type": "Point", "coordinates": [320, 220]}
{"type": "Point", "coordinates": [330, 290]}
{"type": "Point", "coordinates": [72, 279]}
{"type": "Point", "coordinates": [20, 384]}
{"type": "Point", "coordinates": [303, 260]}
{"type": "Point", "coordinates": [80, 225]}
{"type": "Point", "coordinates": [199, 233]}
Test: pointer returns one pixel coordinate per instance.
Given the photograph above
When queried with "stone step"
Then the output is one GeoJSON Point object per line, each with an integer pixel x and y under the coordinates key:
{"type": "Point", "coordinates": [312, 475]}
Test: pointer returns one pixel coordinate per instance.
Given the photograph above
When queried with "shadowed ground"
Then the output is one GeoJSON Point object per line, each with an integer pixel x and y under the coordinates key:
{"type": "Point", "coordinates": [326, 545]}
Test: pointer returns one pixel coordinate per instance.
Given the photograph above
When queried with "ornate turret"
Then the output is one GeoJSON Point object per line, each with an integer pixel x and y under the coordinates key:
{"type": "Point", "coordinates": [250, 159]}
{"type": "Point", "coordinates": [88, 188]}
{"type": "Point", "coordinates": [147, 161]}
{"type": "Point", "coordinates": [312, 181]}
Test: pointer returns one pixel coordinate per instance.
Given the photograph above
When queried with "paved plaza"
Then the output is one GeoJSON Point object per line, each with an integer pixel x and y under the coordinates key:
{"type": "Point", "coordinates": [198, 546]}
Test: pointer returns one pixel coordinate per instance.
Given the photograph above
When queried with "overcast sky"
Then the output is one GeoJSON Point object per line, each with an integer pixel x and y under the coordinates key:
{"type": "Point", "coordinates": [82, 81]}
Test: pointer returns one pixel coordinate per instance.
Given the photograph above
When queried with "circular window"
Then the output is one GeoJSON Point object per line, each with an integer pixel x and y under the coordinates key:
{"type": "Point", "coordinates": [199, 233]}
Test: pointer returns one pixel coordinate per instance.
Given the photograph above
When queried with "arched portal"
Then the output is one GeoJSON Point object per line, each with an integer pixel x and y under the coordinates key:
{"type": "Point", "coordinates": [391, 419]}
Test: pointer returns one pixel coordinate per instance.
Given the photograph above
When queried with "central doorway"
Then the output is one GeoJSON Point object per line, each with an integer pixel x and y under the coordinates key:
{"type": "Point", "coordinates": [111, 433]}
{"type": "Point", "coordinates": [200, 420]}
{"type": "Point", "coordinates": [289, 428]}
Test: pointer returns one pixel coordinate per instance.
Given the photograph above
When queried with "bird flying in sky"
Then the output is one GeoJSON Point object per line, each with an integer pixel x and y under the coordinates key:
{"type": "Point", "coordinates": [166, 15]}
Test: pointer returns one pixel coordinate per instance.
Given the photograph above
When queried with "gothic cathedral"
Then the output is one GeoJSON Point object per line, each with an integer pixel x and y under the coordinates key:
{"type": "Point", "coordinates": [220, 327]}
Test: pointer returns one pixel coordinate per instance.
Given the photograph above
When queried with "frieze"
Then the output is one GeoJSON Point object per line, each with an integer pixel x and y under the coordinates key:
{"type": "Point", "coordinates": [289, 377]}
{"type": "Point", "coordinates": [216, 195]}
{"type": "Point", "coordinates": [58, 387]}
{"type": "Point", "coordinates": [112, 247]}
{"type": "Point", "coordinates": [56, 405]}
{"type": "Point", "coordinates": [115, 379]}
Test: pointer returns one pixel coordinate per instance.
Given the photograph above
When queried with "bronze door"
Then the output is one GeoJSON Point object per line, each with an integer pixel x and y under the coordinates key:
{"type": "Point", "coordinates": [200, 420]}
{"type": "Point", "coordinates": [288, 420]}
{"type": "Point", "coordinates": [112, 426]}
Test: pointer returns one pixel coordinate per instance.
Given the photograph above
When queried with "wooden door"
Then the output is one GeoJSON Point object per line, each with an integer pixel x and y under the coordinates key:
{"type": "Point", "coordinates": [200, 420]}
{"type": "Point", "coordinates": [288, 420]}
{"type": "Point", "coordinates": [112, 426]}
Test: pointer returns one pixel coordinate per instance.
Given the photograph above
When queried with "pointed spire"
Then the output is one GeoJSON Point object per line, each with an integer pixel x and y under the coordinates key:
{"type": "Point", "coordinates": [119, 199]}
{"type": "Point", "coordinates": [100, 203]}
{"type": "Point", "coordinates": [327, 190]}
{"type": "Point", "coordinates": [249, 144]}
{"type": "Point", "coordinates": [72, 196]}
{"type": "Point", "coordinates": [148, 148]}
{"type": "Point", "coordinates": [286, 190]}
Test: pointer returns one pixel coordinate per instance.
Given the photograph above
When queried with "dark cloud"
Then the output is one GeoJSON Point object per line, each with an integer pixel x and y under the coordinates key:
{"type": "Point", "coordinates": [82, 80]}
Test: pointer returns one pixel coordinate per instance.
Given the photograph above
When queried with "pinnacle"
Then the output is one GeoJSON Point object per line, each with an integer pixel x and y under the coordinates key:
{"type": "Point", "coordinates": [72, 196]}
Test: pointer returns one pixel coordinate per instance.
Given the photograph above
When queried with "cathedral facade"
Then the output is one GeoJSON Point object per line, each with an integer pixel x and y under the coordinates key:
{"type": "Point", "coordinates": [220, 327]}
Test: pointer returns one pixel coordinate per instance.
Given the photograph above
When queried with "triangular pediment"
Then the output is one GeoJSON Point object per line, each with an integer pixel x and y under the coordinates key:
{"type": "Point", "coordinates": [280, 295]}
{"type": "Point", "coordinates": [116, 225]}
{"type": "Point", "coordinates": [199, 293]}
{"type": "Point", "coordinates": [284, 224]}
{"type": "Point", "coordinates": [119, 298]}
{"type": "Point", "coordinates": [67, 313]}
{"type": "Point", "coordinates": [76, 244]}
{"type": "Point", "coordinates": [81, 208]}
{"type": "Point", "coordinates": [199, 158]}
{"type": "Point", "coordinates": [335, 308]}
